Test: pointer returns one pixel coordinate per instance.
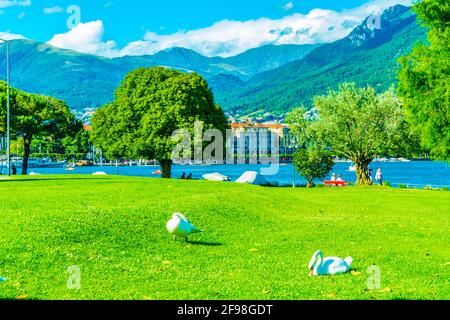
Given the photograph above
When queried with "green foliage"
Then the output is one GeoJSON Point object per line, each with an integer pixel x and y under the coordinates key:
{"type": "Point", "coordinates": [150, 105]}
{"type": "Point", "coordinates": [299, 123]}
{"type": "Point", "coordinates": [35, 116]}
{"type": "Point", "coordinates": [358, 124]}
{"type": "Point", "coordinates": [78, 141]}
{"type": "Point", "coordinates": [113, 228]}
{"type": "Point", "coordinates": [313, 163]}
{"type": "Point", "coordinates": [424, 81]}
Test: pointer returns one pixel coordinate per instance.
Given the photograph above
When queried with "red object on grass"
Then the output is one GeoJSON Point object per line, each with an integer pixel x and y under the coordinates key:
{"type": "Point", "coordinates": [330, 183]}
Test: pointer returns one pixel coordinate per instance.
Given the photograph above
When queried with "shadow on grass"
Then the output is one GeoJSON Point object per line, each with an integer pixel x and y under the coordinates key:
{"type": "Point", "coordinates": [206, 244]}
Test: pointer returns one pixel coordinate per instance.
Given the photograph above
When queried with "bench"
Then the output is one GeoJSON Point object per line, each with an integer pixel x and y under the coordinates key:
{"type": "Point", "coordinates": [329, 183]}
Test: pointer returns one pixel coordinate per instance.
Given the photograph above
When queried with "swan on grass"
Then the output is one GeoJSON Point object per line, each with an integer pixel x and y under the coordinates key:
{"type": "Point", "coordinates": [320, 266]}
{"type": "Point", "coordinates": [180, 227]}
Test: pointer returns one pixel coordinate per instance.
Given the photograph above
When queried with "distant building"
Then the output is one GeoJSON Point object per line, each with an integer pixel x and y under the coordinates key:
{"type": "Point", "coordinates": [258, 130]}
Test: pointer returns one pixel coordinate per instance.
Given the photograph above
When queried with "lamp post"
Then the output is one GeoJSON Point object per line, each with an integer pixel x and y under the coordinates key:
{"type": "Point", "coordinates": [8, 79]}
{"type": "Point", "coordinates": [294, 142]}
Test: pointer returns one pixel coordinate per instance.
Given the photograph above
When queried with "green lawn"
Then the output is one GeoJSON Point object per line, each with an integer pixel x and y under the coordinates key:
{"type": "Point", "coordinates": [257, 245]}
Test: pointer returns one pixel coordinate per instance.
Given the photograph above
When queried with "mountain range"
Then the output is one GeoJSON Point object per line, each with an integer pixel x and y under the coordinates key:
{"type": "Point", "coordinates": [367, 56]}
{"type": "Point", "coordinates": [270, 78]}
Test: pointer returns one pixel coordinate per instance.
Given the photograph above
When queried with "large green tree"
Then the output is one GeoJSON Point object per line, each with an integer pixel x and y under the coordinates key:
{"type": "Point", "coordinates": [424, 79]}
{"type": "Point", "coordinates": [358, 124]}
{"type": "Point", "coordinates": [149, 106]}
{"type": "Point", "coordinates": [35, 116]}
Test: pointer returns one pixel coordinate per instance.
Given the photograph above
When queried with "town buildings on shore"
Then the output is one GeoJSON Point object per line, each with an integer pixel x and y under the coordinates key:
{"type": "Point", "coordinates": [258, 138]}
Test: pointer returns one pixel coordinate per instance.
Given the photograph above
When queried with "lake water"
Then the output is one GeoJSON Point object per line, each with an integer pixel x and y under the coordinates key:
{"type": "Point", "coordinates": [416, 173]}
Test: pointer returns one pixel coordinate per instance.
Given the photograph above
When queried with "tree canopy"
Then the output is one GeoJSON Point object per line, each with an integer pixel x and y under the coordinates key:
{"type": "Point", "coordinates": [313, 163]}
{"type": "Point", "coordinates": [424, 79]}
{"type": "Point", "coordinates": [149, 106]}
{"type": "Point", "coordinates": [358, 124]}
{"type": "Point", "coordinates": [35, 115]}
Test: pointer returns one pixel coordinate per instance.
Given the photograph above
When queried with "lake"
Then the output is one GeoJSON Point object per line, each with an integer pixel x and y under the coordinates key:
{"type": "Point", "coordinates": [415, 173]}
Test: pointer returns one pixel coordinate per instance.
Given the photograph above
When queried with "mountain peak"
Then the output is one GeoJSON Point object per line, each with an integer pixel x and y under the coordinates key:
{"type": "Point", "coordinates": [181, 51]}
{"type": "Point", "coordinates": [378, 26]}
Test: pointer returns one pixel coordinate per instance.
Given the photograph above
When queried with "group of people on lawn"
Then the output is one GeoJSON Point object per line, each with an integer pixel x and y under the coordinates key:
{"type": "Point", "coordinates": [186, 177]}
{"type": "Point", "coordinates": [378, 177]}
{"type": "Point", "coordinates": [338, 179]}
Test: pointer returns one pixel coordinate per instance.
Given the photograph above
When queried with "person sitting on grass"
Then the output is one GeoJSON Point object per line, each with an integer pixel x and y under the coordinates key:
{"type": "Point", "coordinates": [183, 176]}
{"type": "Point", "coordinates": [189, 177]}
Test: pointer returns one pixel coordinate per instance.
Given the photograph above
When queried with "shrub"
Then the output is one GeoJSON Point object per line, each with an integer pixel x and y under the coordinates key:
{"type": "Point", "coordinates": [313, 163]}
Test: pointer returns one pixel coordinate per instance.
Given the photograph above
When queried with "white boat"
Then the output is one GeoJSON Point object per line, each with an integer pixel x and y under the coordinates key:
{"type": "Point", "coordinates": [216, 177]}
{"type": "Point", "coordinates": [352, 168]}
{"type": "Point", "coordinates": [100, 173]}
{"type": "Point", "coordinates": [252, 177]}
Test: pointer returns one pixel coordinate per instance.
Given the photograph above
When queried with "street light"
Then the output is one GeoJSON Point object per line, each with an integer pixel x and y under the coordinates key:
{"type": "Point", "coordinates": [294, 144]}
{"type": "Point", "coordinates": [8, 142]}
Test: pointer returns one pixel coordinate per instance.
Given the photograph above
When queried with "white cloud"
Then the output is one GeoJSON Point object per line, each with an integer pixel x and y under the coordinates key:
{"type": "Point", "coordinates": [86, 38]}
{"type": "Point", "coordinates": [228, 37]}
{"type": "Point", "coordinates": [14, 3]}
{"type": "Point", "coordinates": [10, 36]}
{"type": "Point", "coordinates": [288, 6]}
{"type": "Point", "coordinates": [53, 10]}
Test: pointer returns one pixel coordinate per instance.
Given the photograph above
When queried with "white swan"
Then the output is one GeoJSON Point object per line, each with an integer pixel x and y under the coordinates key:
{"type": "Point", "coordinates": [320, 266]}
{"type": "Point", "coordinates": [179, 226]}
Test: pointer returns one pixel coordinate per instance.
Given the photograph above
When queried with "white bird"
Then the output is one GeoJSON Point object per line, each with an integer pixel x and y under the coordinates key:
{"type": "Point", "coordinates": [320, 266]}
{"type": "Point", "coordinates": [179, 226]}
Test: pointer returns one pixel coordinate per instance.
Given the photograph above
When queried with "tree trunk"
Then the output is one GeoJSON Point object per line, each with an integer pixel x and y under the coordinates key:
{"type": "Point", "coordinates": [362, 173]}
{"type": "Point", "coordinates": [166, 166]}
{"type": "Point", "coordinates": [310, 184]}
{"type": "Point", "coordinates": [26, 154]}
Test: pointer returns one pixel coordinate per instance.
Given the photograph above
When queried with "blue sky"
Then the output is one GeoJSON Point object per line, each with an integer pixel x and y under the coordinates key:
{"type": "Point", "coordinates": [118, 27]}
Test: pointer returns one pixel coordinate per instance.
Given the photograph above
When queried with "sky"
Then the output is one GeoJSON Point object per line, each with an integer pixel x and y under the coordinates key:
{"type": "Point", "coordinates": [114, 28]}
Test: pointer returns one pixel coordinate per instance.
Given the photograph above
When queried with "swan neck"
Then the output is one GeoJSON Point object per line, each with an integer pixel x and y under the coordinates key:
{"type": "Point", "coordinates": [319, 261]}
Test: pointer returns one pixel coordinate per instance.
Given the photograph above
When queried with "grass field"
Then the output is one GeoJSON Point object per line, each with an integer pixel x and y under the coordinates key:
{"type": "Point", "coordinates": [257, 245]}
